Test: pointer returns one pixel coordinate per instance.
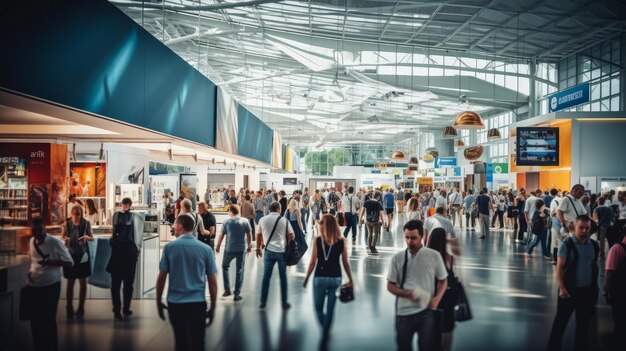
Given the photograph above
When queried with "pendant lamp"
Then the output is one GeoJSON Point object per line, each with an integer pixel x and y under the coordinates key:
{"type": "Point", "coordinates": [473, 153]}
{"type": "Point", "coordinates": [468, 120]}
{"type": "Point", "coordinates": [459, 143]}
{"type": "Point", "coordinates": [449, 133]}
{"type": "Point", "coordinates": [432, 151]}
{"type": "Point", "coordinates": [494, 134]}
{"type": "Point", "coordinates": [398, 155]}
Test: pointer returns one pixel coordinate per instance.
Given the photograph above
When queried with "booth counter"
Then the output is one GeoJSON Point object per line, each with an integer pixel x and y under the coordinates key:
{"type": "Point", "coordinates": [99, 283]}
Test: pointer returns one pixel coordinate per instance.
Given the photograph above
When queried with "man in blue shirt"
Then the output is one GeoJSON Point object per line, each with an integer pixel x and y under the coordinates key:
{"type": "Point", "coordinates": [577, 276]}
{"type": "Point", "coordinates": [389, 202]}
{"type": "Point", "coordinates": [191, 264]}
{"type": "Point", "coordinates": [238, 230]}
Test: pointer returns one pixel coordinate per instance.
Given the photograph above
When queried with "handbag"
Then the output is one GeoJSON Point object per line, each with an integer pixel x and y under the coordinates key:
{"type": "Point", "coordinates": [462, 310]}
{"type": "Point", "coordinates": [292, 253]}
{"type": "Point", "coordinates": [346, 294]}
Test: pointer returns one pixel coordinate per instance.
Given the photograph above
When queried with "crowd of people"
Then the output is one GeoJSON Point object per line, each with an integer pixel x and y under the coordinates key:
{"type": "Point", "coordinates": [421, 276]}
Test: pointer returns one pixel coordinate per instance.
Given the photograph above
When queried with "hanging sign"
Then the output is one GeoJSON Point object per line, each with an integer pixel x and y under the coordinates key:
{"type": "Point", "coordinates": [567, 98]}
{"type": "Point", "coordinates": [441, 162]}
{"type": "Point", "coordinates": [500, 168]}
{"type": "Point", "coordinates": [424, 180]}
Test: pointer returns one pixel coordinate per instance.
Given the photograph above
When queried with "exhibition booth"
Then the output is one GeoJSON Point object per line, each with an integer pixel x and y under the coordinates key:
{"type": "Point", "coordinates": [561, 149]}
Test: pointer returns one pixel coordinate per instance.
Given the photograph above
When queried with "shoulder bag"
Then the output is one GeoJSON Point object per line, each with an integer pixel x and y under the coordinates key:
{"type": "Point", "coordinates": [292, 253]}
{"type": "Point", "coordinates": [28, 295]}
{"type": "Point", "coordinates": [594, 226]}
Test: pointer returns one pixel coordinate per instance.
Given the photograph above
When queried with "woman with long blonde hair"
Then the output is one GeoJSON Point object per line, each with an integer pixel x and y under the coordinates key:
{"type": "Point", "coordinates": [328, 250]}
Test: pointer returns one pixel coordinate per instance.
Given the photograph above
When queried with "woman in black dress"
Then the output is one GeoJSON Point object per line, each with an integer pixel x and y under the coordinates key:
{"type": "Point", "coordinates": [521, 219]}
{"type": "Point", "coordinates": [437, 240]}
{"type": "Point", "coordinates": [76, 233]}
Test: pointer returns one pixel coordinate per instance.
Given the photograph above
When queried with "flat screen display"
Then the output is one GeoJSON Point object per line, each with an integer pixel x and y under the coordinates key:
{"type": "Point", "coordinates": [537, 146]}
{"type": "Point", "coordinates": [290, 181]}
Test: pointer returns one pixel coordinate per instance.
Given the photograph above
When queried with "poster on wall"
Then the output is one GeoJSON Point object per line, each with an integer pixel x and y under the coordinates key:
{"type": "Point", "coordinates": [12, 170]}
{"type": "Point", "coordinates": [537, 146]}
{"type": "Point", "coordinates": [88, 179]}
{"type": "Point", "coordinates": [38, 195]}
{"type": "Point", "coordinates": [188, 186]}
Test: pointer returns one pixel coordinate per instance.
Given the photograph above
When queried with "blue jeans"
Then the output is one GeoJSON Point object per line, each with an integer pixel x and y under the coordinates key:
{"type": "Point", "coordinates": [304, 216]}
{"type": "Point", "coordinates": [323, 288]}
{"type": "Point", "coordinates": [240, 262]}
{"type": "Point", "coordinates": [351, 222]}
{"type": "Point", "coordinates": [540, 238]}
{"type": "Point", "coordinates": [259, 215]}
{"type": "Point", "coordinates": [268, 263]}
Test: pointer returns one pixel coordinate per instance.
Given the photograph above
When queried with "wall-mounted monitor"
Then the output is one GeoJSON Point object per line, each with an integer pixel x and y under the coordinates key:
{"type": "Point", "coordinates": [290, 181]}
{"type": "Point", "coordinates": [537, 146]}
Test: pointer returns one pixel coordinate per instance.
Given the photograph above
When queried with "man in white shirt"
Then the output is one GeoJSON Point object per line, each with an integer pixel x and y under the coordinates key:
{"type": "Point", "coordinates": [351, 205]}
{"type": "Point", "coordinates": [570, 208]}
{"type": "Point", "coordinates": [441, 200]}
{"type": "Point", "coordinates": [47, 255]}
{"type": "Point", "coordinates": [412, 279]}
{"type": "Point", "coordinates": [272, 234]}
{"type": "Point", "coordinates": [438, 221]}
{"type": "Point", "coordinates": [530, 208]}
{"type": "Point", "coordinates": [555, 225]}
{"type": "Point", "coordinates": [456, 202]}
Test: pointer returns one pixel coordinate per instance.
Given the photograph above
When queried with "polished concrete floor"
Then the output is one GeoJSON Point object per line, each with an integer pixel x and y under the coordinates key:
{"type": "Point", "coordinates": [513, 297]}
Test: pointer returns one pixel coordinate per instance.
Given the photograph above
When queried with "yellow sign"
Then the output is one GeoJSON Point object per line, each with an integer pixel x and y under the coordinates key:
{"type": "Point", "coordinates": [424, 180]}
{"type": "Point", "coordinates": [382, 165]}
{"type": "Point", "coordinates": [397, 172]}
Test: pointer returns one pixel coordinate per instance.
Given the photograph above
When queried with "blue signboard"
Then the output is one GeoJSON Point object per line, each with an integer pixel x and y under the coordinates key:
{"type": "Point", "coordinates": [441, 162]}
{"type": "Point", "coordinates": [489, 172]}
{"type": "Point", "coordinates": [567, 98]}
{"type": "Point", "coordinates": [375, 171]}
{"type": "Point", "coordinates": [457, 171]}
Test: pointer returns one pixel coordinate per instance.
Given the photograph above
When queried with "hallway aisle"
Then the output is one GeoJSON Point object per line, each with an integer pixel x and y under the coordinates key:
{"type": "Point", "coordinates": [512, 295]}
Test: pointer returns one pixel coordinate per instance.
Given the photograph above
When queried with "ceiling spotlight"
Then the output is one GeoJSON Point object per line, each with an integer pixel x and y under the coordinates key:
{"type": "Point", "coordinates": [195, 157]}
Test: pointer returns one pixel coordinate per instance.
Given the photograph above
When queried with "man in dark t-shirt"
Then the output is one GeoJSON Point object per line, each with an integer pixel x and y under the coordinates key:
{"type": "Point", "coordinates": [374, 215]}
{"type": "Point", "coordinates": [483, 201]}
{"type": "Point", "coordinates": [208, 220]}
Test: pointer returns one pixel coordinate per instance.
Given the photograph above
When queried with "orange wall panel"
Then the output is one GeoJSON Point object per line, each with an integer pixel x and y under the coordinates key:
{"type": "Point", "coordinates": [521, 180]}
{"type": "Point", "coordinates": [555, 179]}
{"type": "Point", "coordinates": [565, 144]}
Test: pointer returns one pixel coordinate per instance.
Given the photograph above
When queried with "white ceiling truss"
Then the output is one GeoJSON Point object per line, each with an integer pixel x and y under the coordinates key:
{"type": "Point", "coordinates": [336, 71]}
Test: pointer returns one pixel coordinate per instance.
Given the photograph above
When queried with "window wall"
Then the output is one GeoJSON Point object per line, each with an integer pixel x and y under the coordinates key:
{"type": "Point", "coordinates": [600, 66]}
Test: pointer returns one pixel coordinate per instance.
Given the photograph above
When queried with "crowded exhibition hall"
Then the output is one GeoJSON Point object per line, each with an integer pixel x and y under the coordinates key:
{"type": "Point", "coordinates": [313, 175]}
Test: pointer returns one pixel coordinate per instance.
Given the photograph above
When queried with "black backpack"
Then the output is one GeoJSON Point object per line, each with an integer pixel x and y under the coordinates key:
{"type": "Point", "coordinates": [373, 216]}
{"type": "Point", "coordinates": [571, 262]}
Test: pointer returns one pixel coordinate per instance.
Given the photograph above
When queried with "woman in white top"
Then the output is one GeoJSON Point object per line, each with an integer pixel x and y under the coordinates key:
{"type": "Point", "coordinates": [92, 212]}
{"type": "Point", "coordinates": [413, 211]}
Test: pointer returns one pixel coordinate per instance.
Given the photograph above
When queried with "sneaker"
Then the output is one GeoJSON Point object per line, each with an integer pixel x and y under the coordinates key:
{"type": "Point", "coordinates": [481, 237]}
{"type": "Point", "coordinates": [286, 306]}
{"type": "Point", "coordinates": [70, 312]}
{"type": "Point", "coordinates": [374, 251]}
{"type": "Point", "coordinates": [553, 262]}
{"type": "Point", "coordinates": [262, 305]}
{"type": "Point", "coordinates": [80, 313]}
{"type": "Point", "coordinates": [353, 241]}
{"type": "Point", "coordinates": [226, 293]}
{"type": "Point", "coordinates": [548, 258]}
{"type": "Point", "coordinates": [127, 314]}
{"type": "Point", "coordinates": [118, 317]}
{"type": "Point", "coordinates": [237, 298]}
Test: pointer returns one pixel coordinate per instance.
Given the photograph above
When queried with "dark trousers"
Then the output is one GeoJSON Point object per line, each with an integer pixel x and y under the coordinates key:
{"type": "Point", "coordinates": [128, 277]}
{"type": "Point", "coordinates": [581, 301]}
{"type": "Point", "coordinates": [239, 266]}
{"type": "Point", "coordinates": [542, 239]}
{"type": "Point", "coordinates": [500, 215]}
{"type": "Point", "coordinates": [351, 222]}
{"type": "Point", "coordinates": [619, 317]}
{"type": "Point", "coordinates": [523, 227]}
{"type": "Point", "coordinates": [43, 326]}
{"type": "Point", "coordinates": [467, 220]}
{"type": "Point", "coordinates": [188, 322]}
{"type": "Point", "coordinates": [252, 226]}
{"type": "Point", "coordinates": [425, 325]}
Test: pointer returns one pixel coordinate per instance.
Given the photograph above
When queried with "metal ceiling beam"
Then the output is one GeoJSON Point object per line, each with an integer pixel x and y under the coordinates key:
{"type": "Point", "coordinates": [575, 39]}
{"type": "Point", "coordinates": [461, 27]}
{"type": "Point", "coordinates": [209, 7]}
{"type": "Point", "coordinates": [423, 27]}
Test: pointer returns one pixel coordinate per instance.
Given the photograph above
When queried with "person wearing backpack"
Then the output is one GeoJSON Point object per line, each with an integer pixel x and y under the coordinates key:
{"type": "Point", "coordinates": [577, 276]}
{"type": "Point", "coordinates": [540, 228]}
{"type": "Point", "coordinates": [603, 216]}
{"type": "Point", "coordinates": [615, 286]}
{"type": "Point", "coordinates": [374, 217]}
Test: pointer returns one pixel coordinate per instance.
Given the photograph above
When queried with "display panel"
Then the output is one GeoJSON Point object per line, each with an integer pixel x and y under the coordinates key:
{"type": "Point", "coordinates": [290, 181]}
{"type": "Point", "coordinates": [537, 146]}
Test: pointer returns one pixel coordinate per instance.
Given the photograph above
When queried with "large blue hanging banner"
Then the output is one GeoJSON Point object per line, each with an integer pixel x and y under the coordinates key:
{"type": "Point", "coordinates": [567, 98]}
